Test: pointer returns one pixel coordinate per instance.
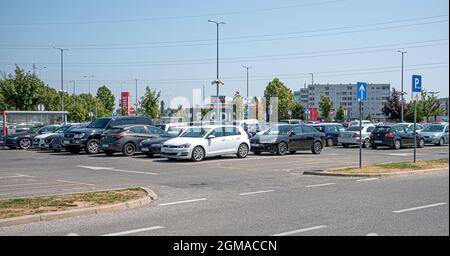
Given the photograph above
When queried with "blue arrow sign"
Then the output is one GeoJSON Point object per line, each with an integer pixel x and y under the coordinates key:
{"type": "Point", "coordinates": [417, 83]}
{"type": "Point", "coordinates": [362, 91]}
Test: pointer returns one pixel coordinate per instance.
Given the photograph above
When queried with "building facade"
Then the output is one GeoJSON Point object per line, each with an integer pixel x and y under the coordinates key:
{"type": "Point", "coordinates": [345, 95]}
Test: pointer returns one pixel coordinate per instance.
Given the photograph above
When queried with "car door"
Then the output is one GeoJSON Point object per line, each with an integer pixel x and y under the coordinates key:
{"type": "Point", "coordinates": [232, 138]}
{"type": "Point", "coordinates": [296, 139]}
{"type": "Point", "coordinates": [308, 137]}
{"type": "Point", "coordinates": [406, 135]}
{"type": "Point", "coordinates": [446, 137]}
{"type": "Point", "coordinates": [216, 145]}
{"type": "Point", "coordinates": [138, 134]}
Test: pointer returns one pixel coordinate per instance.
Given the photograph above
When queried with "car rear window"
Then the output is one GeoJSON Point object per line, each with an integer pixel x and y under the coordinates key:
{"type": "Point", "coordinates": [320, 128]}
{"type": "Point", "coordinates": [115, 130]}
{"type": "Point", "coordinates": [382, 129]}
{"type": "Point", "coordinates": [352, 129]}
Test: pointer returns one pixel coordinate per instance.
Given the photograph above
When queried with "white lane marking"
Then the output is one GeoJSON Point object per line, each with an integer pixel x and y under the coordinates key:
{"type": "Point", "coordinates": [16, 176]}
{"type": "Point", "coordinates": [368, 179]}
{"type": "Point", "coordinates": [76, 182]}
{"type": "Point", "coordinates": [372, 234]}
{"type": "Point", "coordinates": [419, 207]}
{"type": "Point", "coordinates": [300, 231]}
{"type": "Point", "coordinates": [399, 154]}
{"type": "Point", "coordinates": [72, 234]}
{"type": "Point", "coordinates": [133, 231]}
{"type": "Point", "coordinates": [182, 202]}
{"type": "Point", "coordinates": [256, 192]}
{"type": "Point", "coordinates": [97, 168]}
{"type": "Point", "coordinates": [320, 185]}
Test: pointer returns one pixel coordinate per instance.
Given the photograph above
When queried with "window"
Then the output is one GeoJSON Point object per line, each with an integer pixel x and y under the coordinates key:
{"type": "Point", "coordinates": [297, 130]}
{"type": "Point", "coordinates": [370, 129]}
{"type": "Point", "coordinates": [218, 132]}
{"type": "Point", "coordinates": [231, 131]}
{"type": "Point", "coordinates": [154, 130]}
{"type": "Point", "coordinates": [307, 129]}
{"type": "Point", "coordinates": [138, 129]}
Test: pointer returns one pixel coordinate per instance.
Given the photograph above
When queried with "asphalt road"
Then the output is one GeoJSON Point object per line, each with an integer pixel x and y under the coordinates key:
{"type": "Point", "coordinates": [259, 195]}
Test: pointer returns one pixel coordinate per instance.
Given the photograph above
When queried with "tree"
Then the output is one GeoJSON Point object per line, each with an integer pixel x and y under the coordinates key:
{"type": "Point", "coordinates": [149, 102]}
{"type": "Point", "coordinates": [298, 111]}
{"type": "Point", "coordinates": [369, 117]}
{"type": "Point", "coordinates": [392, 107]}
{"type": "Point", "coordinates": [180, 112]}
{"type": "Point", "coordinates": [427, 106]}
{"type": "Point", "coordinates": [340, 114]}
{"type": "Point", "coordinates": [162, 110]}
{"type": "Point", "coordinates": [276, 88]}
{"type": "Point", "coordinates": [325, 107]}
{"type": "Point", "coordinates": [240, 108]}
{"type": "Point", "coordinates": [107, 99]}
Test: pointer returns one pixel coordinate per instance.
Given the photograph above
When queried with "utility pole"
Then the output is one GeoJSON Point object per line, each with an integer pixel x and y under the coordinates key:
{"type": "Point", "coordinates": [203, 96]}
{"type": "Point", "coordinates": [247, 100]}
{"type": "Point", "coordinates": [217, 81]}
{"type": "Point", "coordinates": [402, 92]}
{"type": "Point", "coordinates": [62, 79]}
{"type": "Point", "coordinates": [307, 91]}
{"type": "Point", "coordinates": [136, 104]}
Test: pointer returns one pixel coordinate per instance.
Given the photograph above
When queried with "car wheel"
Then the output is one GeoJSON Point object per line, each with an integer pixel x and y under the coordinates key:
{"type": "Point", "coordinates": [242, 151]}
{"type": "Point", "coordinates": [129, 149]}
{"type": "Point", "coordinates": [330, 142]}
{"type": "Point", "coordinates": [149, 154]}
{"type": "Point", "coordinates": [24, 143]}
{"type": "Point", "coordinates": [92, 147]}
{"type": "Point", "coordinates": [441, 142]}
{"type": "Point", "coordinates": [421, 143]}
{"type": "Point", "coordinates": [282, 148]}
{"type": "Point", "coordinates": [257, 152]}
{"type": "Point", "coordinates": [397, 144]}
{"type": "Point", "coordinates": [316, 148]}
{"type": "Point", "coordinates": [109, 153]}
{"type": "Point", "coordinates": [345, 145]}
{"type": "Point", "coordinates": [366, 143]}
{"type": "Point", "coordinates": [198, 154]}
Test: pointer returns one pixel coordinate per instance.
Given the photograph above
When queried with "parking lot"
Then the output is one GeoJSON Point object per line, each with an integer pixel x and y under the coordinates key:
{"type": "Point", "coordinates": [209, 191]}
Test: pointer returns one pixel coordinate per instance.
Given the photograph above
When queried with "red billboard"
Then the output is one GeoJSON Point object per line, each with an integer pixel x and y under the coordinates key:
{"type": "Point", "coordinates": [125, 102]}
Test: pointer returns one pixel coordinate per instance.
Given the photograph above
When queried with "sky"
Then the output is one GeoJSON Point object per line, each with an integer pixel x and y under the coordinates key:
{"type": "Point", "coordinates": [170, 45]}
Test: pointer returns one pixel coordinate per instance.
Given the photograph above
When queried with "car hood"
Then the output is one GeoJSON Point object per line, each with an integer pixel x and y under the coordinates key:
{"type": "Point", "coordinates": [155, 140]}
{"type": "Point", "coordinates": [87, 130]}
{"type": "Point", "coordinates": [45, 135]}
{"type": "Point", "coordinates": [429, 133]}
{"type": "Point", "coordinates": [182, 140]}
{"type": "Point", "coordinates": [266, 138]}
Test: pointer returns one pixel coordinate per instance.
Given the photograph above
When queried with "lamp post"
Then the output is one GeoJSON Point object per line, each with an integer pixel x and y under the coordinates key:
{"type": "Point", "coordinates": [62, 79]}
{"type": "Point", "coordinates": [217, 82]}
{"type": "Point", "coordinates": [307, 91]}
{"type": "Point", "coordinates": [403, 98]}
{"type": "Point", "coordinates": [247, 100]}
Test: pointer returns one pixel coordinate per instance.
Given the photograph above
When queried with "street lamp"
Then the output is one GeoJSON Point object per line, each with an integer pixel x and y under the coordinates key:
{"type": "Point", "coordinates": [307, 106]}
{"type": "Point", "coordinates": [248, 100]}
{"type": "Point", "coordinates": [217, 82]}
{"type": "Point", "coordinates": [62, 79]}
{"type": "Point", "coordinates": [403, 99]}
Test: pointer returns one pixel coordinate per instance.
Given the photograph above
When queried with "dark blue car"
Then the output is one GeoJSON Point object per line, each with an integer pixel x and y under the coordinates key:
{"type": "Point", "coordinates": [331, 130]}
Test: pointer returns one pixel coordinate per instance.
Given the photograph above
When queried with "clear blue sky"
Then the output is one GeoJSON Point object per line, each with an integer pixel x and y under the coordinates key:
{"type": "Point", "coordinates": [170, 46]}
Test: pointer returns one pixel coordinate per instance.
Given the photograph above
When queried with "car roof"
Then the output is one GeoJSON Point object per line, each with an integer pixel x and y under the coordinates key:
{"type": "Point", "coordinates": [129, 125]}
{"type": "Point", "coordinates": [213, 126]}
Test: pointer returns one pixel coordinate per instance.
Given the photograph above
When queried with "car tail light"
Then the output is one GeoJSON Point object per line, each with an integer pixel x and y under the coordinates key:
{"type": "Point", "coordinates": [389, 135]}
{"type": "Point", "coordinates": [355, 135]}
{"type": "Point", "coordinates": [117, 137]}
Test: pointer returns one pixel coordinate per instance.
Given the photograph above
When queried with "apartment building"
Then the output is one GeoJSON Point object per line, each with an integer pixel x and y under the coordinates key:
{"type": "Point", "coordinates": [345, 95]}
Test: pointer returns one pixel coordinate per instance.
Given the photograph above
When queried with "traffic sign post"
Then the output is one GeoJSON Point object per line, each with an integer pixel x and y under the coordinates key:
{"type": "Point", "coordinates": [362, 96]}
{"type": "Point", "coordinates": [416, 88]}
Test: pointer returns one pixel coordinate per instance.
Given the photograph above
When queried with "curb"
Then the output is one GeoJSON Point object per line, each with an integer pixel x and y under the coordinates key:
{"type": "Point", "coordinates": [151, 196]}
{"type": "Point", "coordinates": [350, 175]}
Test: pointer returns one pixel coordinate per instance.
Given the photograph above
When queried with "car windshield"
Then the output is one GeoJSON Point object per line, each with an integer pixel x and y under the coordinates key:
{"type": "Point", "coordinates": [62, 129]}
{"type": "Point", "coordinates": [195, 132]}
{"type": "Point", "coordinates": [319, 128]}
{"type": "Point", "coordinates": [35, 129]}
{"type": "Point", "coordinates": [434, 128]}
{"type": "Point", "coordinates": [99, 123]}
{"type": "Point", "coordinates": [279, 130]}
{"type": "Point", "coordinates": [172, 132]}
{"type": "Point", "coordinates": [352, 129]}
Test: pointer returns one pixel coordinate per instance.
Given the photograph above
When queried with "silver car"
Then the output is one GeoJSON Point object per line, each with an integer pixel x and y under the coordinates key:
{"type": "Point", "coordinates": [351, 136]}
{"type": "Point", "coordinates": [436, 134]}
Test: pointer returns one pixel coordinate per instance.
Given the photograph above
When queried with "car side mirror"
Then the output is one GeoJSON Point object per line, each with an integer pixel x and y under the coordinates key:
{"type": "Point", "coordinates": [292, 134]}
{"type": "Point", "coordinates": [211, 136]}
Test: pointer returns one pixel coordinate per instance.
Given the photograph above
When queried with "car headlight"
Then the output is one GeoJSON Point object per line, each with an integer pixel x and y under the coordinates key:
{"type": "Point", "coordinates": [79, 135]}
{"type": "Point", "coordinates": [187, 145]}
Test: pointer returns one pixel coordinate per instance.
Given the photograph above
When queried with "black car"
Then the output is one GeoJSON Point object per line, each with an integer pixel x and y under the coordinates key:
{"type": "Point", "coordinates": [281, 139]}
{"type": "Point", "coordinates": [25, 140]}
{"type": "Point", "coordinates": [54, 142]}
{"type": "Point", "coordinates": [88, 138]}
{"type": "Point", "coordinates": [151, 147]}
{"type": "Point", "coordinates": [126, 138]}
{"type": "Point", "coordinates": [395, 136]}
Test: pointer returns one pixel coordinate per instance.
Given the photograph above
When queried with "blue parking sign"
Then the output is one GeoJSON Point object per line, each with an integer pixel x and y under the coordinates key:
{"type": "Point", "coordinates": [417, 83]}
{"type": "Point", "coordinates": [362, 91]}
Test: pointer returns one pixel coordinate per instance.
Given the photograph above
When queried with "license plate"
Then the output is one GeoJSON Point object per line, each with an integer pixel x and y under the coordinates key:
{"type": "Point", "coordinates": [378, 141]}
{"type": "Point", "coordinates": [254, 145]}
{"type": "Point", "coordinates": [144, 149]}
{"type": "Point", "coordinates": [46, 145]}
{"type": "Point", "coordinates": [105, 145]}
{"type": "Point", "coordinates": [67, 142]}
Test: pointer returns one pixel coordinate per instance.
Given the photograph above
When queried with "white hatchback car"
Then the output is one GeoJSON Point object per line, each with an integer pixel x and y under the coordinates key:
{"type": "Point", "coordinates": [197, 143]}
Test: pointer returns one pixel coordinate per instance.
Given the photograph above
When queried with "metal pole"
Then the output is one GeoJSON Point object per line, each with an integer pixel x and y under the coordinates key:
{"type": "Point", "coordinates": [135, 111]}
{"type": "Point", "coordinates": [360, 135]}
{"type": "Point", "coordinates": [415, 136]}
{"type": "Point", "coordinates": [403, 98]}
{"type": "Point", "coordinates": [62, 80]}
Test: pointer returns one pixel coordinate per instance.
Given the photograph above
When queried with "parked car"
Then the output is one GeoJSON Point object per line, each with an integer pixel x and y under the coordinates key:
{"type": "Point", "coordinates": [284, 138]}
{"type": "Point", "coordinates": [351, 136]}
{"type": "Point", "coordinates": [152, 146]}
{"type": "Point", "coordinates": [25, 140]}
{"type": "Point", "coordinates": [291, 121]}
{"type": "Point", "coordinates": [126, 138]}
{"type": "Point", "coordinates": [55, 142]}
{"type": "Point", "coordinates": [166, 127]}
{"type": "Point", "coordinates": [331, 130]}
{"type": "Point", "coordinates": [395, 136]}
{"type": "Point", "coordinates": [198, 143]}
{"type": "Point", "coordinates": [356, 123]}
{"type": "Point", "coordinates": [436, 134]}
{"type": "Point", "coordinates": [39, 140]}
{"type": "Point", "coordinates": [88, 138]}
{"type": "Point", "coordinates": [419, 127]}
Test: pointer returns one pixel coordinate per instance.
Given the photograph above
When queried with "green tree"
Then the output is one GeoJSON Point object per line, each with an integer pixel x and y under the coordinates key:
{"type": "Point", "coordinates": [369, 117]}
{"type": "Point", "coordinates": [298, 111]}
{"type": "Point", "coordinates": [276, 88]}
{"type": "Point", "coordinates": [325, 107]}
{"type": "Point", "coordinates": [107, 100]}
{"type": "Point", "coordinates": [340, 114]}
{"type": "Point", "coordinates": [149, 102]}
{"type": "Point", "coordinates": [427, 106]}
{"type": "Point", "coordinates": [392, 107]}
{"type": "Point", "coordinates": [238, 102]}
